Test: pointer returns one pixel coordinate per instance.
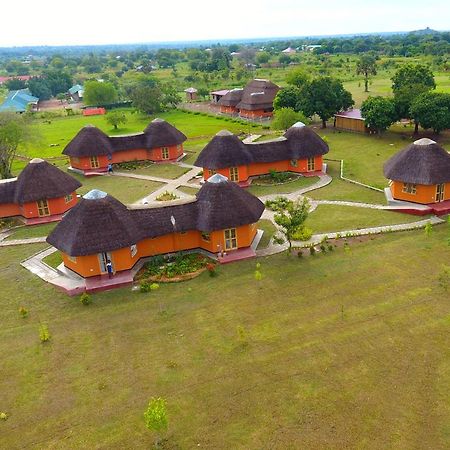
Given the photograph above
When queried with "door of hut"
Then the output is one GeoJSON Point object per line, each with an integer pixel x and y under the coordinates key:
{"type": "Point", "coordinates": [103, 259]}
{"type": "Point", "coordinates": [440, 192]}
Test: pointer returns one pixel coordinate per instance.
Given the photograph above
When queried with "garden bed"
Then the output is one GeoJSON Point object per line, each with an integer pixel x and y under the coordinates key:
{"type": "Point", "coordinates": [176, 268]}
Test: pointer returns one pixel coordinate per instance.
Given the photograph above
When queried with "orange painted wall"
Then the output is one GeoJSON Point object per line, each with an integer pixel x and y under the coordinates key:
{"type": "Point", "coordinates": [228, 109]}
{"type": "Point", "coordinates": [9, 210]}
{"type": "Point", "coordinates": [88, 266]}
{"type": "Point", "coordinates": [30, 210]}
{"type": "Point", "coordinates": [257, 169]}
{"type": "Point", "coordinates": [255, 114]}
{"type": "Point", "coordinates": [424, 193]}
{"type": "Point", "coordinates": [55, 206]}
{"type": "Point", "coordinates": [139, 154]}
{"type": "Point", "coordinates": [350, 124]}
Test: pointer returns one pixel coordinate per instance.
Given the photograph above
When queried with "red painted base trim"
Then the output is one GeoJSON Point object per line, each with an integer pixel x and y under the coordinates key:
{"type": "Point", "coordinates": [41, 220]}
{"type": "Point", "coordinates": [316, 173]}
{"type": "Point", "coordinates": [237, 255]}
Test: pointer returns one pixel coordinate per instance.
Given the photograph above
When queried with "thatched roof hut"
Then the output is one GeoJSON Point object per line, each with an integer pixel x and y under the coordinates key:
{"type": "Point", "coordinates": [100, 223]}
{"type": "Point", "coordinates": [231, 98]}
{"type": "Point", "coordinates": [258, 94]}
{"type": "Point", "coordinates": [422, 162]}
{"type": "Point", "coordinates": [38, 181]}
{"type": "Point", "coordinates": [90, 141]}
{"type": "Point", "coordinates": [227, 150]}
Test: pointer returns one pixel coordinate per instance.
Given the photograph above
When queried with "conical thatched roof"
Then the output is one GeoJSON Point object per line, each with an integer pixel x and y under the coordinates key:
{"type": "Point", "coordinates": [160, 133]}
{"type": "Point", "coordinates": [100, 223]}
{"type": "Point", "coordinates": [258, 94]}
{"type": "Point", "coordinates": [223, 204]}
{"type": "Point", "coordinates": [89, 141]}
{"type": "Point", "coordinates": [224, 150]}
{"type": "Point", "coordinates": [231, 98]}
{"type": "Point", "coordinates": [38, 181]}
{"type": "Point", "coordinates": [422, 162]}
{"type": "Point", "coordinates": [227, 150]}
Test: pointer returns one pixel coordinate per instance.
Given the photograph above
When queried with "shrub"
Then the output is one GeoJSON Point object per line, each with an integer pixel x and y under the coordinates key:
{"type": "Point", "coordinates": [300, 254]}
{"type": "Point", "coordinates": [330, 248]}
{"type": "Point", "coordinates": [154, 286]}
{"type": "Point", "coordinates": [144, 286]}
{"type": "Point", "coordinates": [44, 334]}
{"type": "Point", "coordinates": [3, 416]}
{"type": "Point", "coordinates": [211, 268]}
{"type": "Point", "coordinates": [312, 250]}
{"type": "Point", "coordinates": [23, 312]}
{"type": "Point", "coordinates": [278, 240]}
{"type": "Point", "coordinates": [85, 299]}
{"type": "Point", "coordinates": [303, 235]}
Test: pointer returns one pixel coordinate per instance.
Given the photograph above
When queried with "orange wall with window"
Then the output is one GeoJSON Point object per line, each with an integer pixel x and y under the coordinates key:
{"type": "Point", "coordinates": [88, 266]}
{"type": "Point", "coordinates": [424, 193]}
{"type": "Point", "coordinates": [55, 206]}
{"type": "Point", "coordinates": [138, 154]}
{"type": "Point", "coordinates": [256, 169]}
{"type": "Point", "coordinates": [30, 210]}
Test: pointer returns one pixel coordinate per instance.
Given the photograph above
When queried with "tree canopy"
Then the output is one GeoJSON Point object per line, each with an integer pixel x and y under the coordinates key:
{"type": "Point", "coordinates": [284, 118]}
{"type": "Point", "coordinates": [378, 112]}
{"type": "Point", "coordinates": [431, 110]}
{"type": "Point", "coordinates": [324, 96]}
{"type": "Point", "coordinates": [99, 93]}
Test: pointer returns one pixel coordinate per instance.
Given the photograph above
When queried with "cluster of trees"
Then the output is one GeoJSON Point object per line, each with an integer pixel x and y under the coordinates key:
{"type": "Point", "coordinates": [413, 99]}
{"type": "Point", "coordinates": [321, 96]}
{"type": "Point", "coordinates": [50, 84]}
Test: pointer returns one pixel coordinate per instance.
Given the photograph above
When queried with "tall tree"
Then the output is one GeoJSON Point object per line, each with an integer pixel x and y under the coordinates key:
{"type": "Point", "coordinates": [287, 97]}
{"type": "Point", "coordinates": [14, 131]}
{"type": "Point", "coordinates": [431, 110]}
{"type": "Point", "coordinates": [409, 82]}
{"type": "Point", "coordinates": [115, 118]}
{"type": "Point", "coordinates": [99, 93]}
{"type": "Point", "coordinates": [378, 112]}
{"type": "Point", "coordinates": [286, 117]}
{"type": "Point", "coordinates": [297, 77]}
{"type": "Point", "coordinates": [366, 66]}
{"type": "Point", "coordinates": [324, 96]}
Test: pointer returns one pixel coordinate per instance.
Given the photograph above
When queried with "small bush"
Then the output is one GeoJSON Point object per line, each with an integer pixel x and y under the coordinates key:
{"type": "Point", "coordinates": [3, 416]}
{"type": "Point", "coordinates": [303, 235]}
{"type": "Point", "coordinates": [44, 334]}
{"type": "Point", "coordinates": [312, 250]}
{"type": "Point", "coordinates": [154, 286]}
{"type": "Point", "coordinates": [300, 254]}
{"type": "Point", "coordinates": [278, 240]}
{"type": "Point", "coordinates": [211, 268]}
{"type": "Point", "coordinates": [85, 299]}
{"type": "Point", "coordinates": [144, 286]}
{"type": "Point", "coordinates": [330, 248]}
{"type": "Point", "coordinates": [23, 312]}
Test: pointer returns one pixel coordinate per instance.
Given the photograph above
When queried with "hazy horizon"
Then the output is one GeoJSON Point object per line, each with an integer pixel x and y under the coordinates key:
{"type": "Point", "coordinates": [88, 23]}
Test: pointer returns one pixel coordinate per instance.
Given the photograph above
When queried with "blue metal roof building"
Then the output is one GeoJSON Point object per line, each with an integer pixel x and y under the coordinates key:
{"type": "Point", "coordinates": [18, 101]}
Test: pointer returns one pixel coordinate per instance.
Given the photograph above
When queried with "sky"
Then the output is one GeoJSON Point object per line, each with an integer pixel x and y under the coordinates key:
{"type": "Point", "coordinates": [85, 22]}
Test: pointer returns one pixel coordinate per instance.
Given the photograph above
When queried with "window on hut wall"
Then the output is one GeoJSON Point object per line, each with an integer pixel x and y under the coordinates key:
{"type": "Point", "coordinates": [94, 162]}
{"type": "Point", "coordinates": [230, 239]}
{"type": "Point", "coordinates": [165, 152]}
{"type": "Point", "coordinates": [68, 198]}
{"type": "Point", "coordinates": [133, 250]}
{"type": "Point", "coordinates": [311, 164]}
{"type": "Point", "coordinates": [212, 172]}
{"type": "Point", "coordinates": [234, 174]}
{"type": "Point", "coordinates": [409, 188]}
{"type": "Point", "coordinates": [43, 209]}
{"type": "Point", "coordinates": [206, 237]}
{"type": "Point", "coordinates": [294, 163]}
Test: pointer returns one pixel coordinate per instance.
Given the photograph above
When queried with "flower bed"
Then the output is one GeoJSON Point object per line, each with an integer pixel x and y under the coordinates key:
{"type": "Point", "coordinates": [180, 267]}
{"type": "Point", "coordinates": [275, 179]}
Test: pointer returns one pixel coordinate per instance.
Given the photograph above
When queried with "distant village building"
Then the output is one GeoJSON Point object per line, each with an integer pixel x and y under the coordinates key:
{"type": "Point", "coordinates": [289, 51]}
{"type": "Point", "coordinates": [91, 150]}
{"type": "Point", "coordinates": [41, 193]}
{"type": "Point", "coordinates": [310, 48]}
{"type": "Point", "coordinates": [100, 229]}
{"type": "Point", "coordinates": [76, 93]}
{"type": "Point", "coordinates": [254, 101]}
{"type": "Point", "coordinates": [191, 94]}
{"type": "Point", "coordinates": [420, 173]}
{"type": "Point", "coordinates": [20, 101]}
{"type": "Point", "coordinates": [217, 95]}
{"type": "Point", "coordinates": [15, 77]}
{"type": "Point", "coordinates": [350, 120]}
{"type": "Point", "coordinates": [301, 150]}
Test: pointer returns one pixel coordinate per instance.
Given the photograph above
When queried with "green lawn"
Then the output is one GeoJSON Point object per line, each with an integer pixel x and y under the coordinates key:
{"type": "Point", "coordinates": [53, 260]}
{"type": "Point", "coordinates": [169, 171]}
{"type": "Point", "coordinates": [329, 218]}
{"type": "Point", "coordinates": [32, 231]}
{"type": "Point", "coordinates": [285, 188]}
{"type": "Point", "coordinates": [51, 138]}
{"type": "Point", "coordinates": [365, 155]}
{"type": "Point", "coordinates": [343, 190]}
{"type": "Point", "coordinates": [269, 230]}
{"type": "Point", "coordinates": [187, 190]}
{"type": "Point", "coordinates": [127, 190]}
{"type": "Point", "coordinates": [343, 350]}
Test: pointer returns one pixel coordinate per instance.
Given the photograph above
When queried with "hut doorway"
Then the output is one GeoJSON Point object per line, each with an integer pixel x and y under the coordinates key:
{"type": "Point", "coordinates": [440, 192]}
{"type": "Point", "coordinates": [103, 258]}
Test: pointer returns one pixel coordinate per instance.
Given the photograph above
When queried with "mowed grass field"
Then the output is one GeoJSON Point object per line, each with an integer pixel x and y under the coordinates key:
{"type": "Point", "coordinates": [343, 350]}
